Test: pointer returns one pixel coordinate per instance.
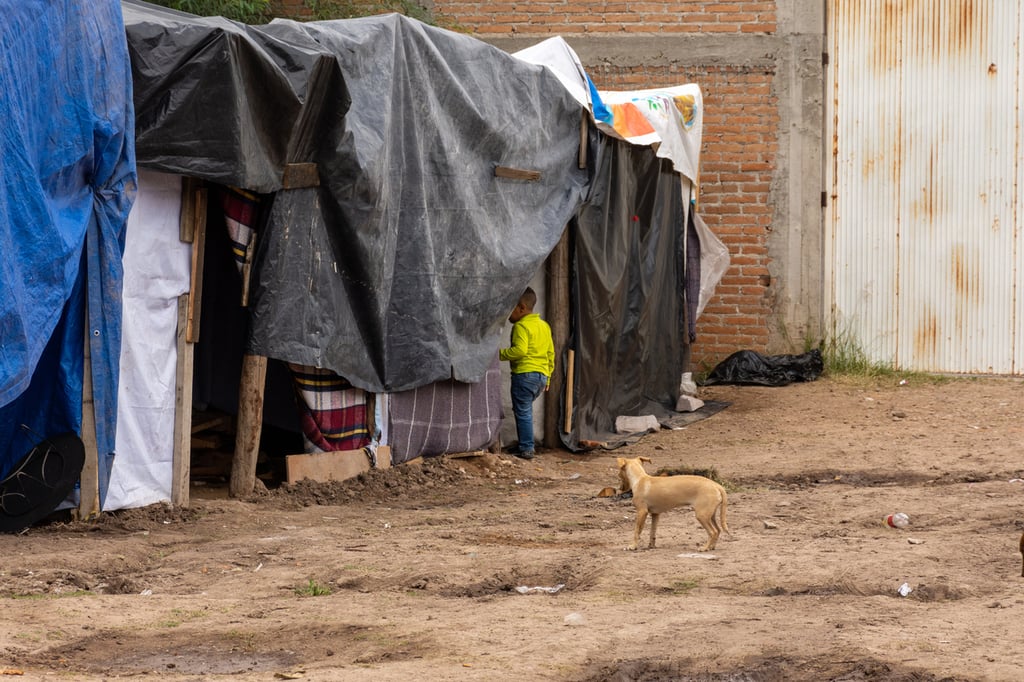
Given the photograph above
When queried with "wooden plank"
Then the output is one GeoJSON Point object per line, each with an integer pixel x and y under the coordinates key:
{"type": "Point", "coordinates": [556, 312]}
{"type": "Point", "coordinates": [516, 173]}
{"type": "Point", "coordinates": [570, 370]}
{"type": "Point", "coordinates": [383, 456]}
{"type": "Point", "coordinates": [584, 126]}
{"type": "Point", "coordinates": [89, 480]}
{"type": "Point", "coordinates": [187, 217]}
{"type": "Point", "coordinates": [224, 421]}
{"type": "Point", "coordinates": [198, 259]}
{"type": "Point", "coordinates": [181, 462]}
{"type": "Point", "coordinates": [327, 466]}
{"type": "Point", "coordinates": [250, 425]}
{"type": "Point", "coordinates": [250, 250]}
{"type": "Point", "coordinates": [300, 175]}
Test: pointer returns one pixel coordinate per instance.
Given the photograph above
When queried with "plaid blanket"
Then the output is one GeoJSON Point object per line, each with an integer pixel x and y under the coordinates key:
{"type": "Point", "coordinates": [241, 210]}
{"type": "Point", "coordinates": [333, 412]}
{"type": "Point", "coordinates": [446, 416]}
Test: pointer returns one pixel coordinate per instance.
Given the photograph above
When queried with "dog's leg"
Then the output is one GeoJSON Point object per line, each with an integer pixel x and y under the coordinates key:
{"type": "Point", "coordinates": [707, 521]}
{"type": "Point", "coordinates": [654, 528]}
{"type": "Point", "coordinates": [641, 518]}
{"type": "Point", "coordinates": [721, 513]}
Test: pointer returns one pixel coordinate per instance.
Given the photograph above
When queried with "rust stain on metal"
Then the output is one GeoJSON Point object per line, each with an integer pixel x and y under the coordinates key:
{"type": "Point", "coordinates": [926, 336]}
{"type": "Point", "coordinates": [959, 271]}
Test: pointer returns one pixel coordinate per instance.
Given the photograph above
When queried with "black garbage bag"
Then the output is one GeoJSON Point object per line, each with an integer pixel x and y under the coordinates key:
{"type": "Point", "coordinates": [40, 481]}
{"type": "Point", "coordinates": [749, 367]}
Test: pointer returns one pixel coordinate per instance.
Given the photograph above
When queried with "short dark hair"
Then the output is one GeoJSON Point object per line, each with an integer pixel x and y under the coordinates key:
{"type": "Point", "coordinates": [529, 298]}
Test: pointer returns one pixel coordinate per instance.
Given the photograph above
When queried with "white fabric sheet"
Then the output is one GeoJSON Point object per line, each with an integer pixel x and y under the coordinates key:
{"type": "Point", "coordinates": [156, 272]}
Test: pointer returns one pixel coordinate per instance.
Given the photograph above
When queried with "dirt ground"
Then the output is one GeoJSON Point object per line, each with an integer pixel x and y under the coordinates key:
{"type": "Point", "coordinates": [414, 573]}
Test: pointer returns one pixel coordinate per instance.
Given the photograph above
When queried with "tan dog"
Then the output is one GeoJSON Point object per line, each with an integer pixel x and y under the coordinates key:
{"type": "Point", "coordinates": [657, 494]}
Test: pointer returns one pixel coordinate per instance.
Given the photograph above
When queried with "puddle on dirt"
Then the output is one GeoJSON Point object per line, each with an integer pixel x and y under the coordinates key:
{"type": "Point", "coordinates": [232, 652]}
{"type": "Point", "coordinates": [759, 670]}
{"type": "Point", "coordinates": [569, 576]}
{"type": "Point", "coordinates": [859, 479]}
{"type": "Point", "coordinates": [922, 592]}
{"type": "Point", "coordinates": [869, 479]}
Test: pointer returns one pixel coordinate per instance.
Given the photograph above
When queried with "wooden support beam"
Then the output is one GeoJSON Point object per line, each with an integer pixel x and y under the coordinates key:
{"type": "Point", "coordinates": [570, 380]}
{"type": "Point", "coordinates": [584, 126]}
{"type": "Point", "coordinates": [89, 480]}
{"type": "Point", "coordinates": [250, 425]}
{"type": "Point", "coordinates": [181, 463]}
{"type": "Point", "coordinates": [187, 217]}
{"type": "Point", "coordinates": [250, 250]}
{"type": "Point", "coordinates": [198, 258]}
{"type": "Point", "coordinates": [300, 175]}
{"type": "Point", "coordinates": [557, 314]}
{"type": "Point", "coordinates": [516, 173]}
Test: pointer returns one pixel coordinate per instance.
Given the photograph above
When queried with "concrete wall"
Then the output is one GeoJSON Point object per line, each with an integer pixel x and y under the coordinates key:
{"type": "Point", "coordinates": [759, 65]}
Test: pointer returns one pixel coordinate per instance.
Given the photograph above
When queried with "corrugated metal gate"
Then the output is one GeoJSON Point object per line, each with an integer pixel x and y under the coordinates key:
{"type": "Point", "coordinates": [923, 253]}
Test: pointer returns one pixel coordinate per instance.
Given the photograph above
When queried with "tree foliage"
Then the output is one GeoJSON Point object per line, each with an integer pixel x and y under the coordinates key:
{"type": "Point", "coordinates": [262, 11]}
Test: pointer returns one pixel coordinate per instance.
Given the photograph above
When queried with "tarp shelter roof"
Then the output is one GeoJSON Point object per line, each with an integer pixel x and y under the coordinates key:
{"type": "Point", "coordinates": [400, 268]}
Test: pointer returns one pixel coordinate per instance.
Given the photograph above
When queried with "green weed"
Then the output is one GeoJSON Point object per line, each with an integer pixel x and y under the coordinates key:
{"type": "Point", "coordinates": [312, 589]}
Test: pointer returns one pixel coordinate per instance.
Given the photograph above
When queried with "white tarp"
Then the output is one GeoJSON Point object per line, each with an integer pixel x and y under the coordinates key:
{"type": "Point", "coordinates": [670, 120]}
{"type": "Point", "coordinates": [156, 271]}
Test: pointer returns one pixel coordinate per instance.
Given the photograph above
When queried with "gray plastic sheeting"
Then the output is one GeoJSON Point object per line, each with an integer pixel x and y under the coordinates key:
{"type": "Point", "coordinates": [399, 269]}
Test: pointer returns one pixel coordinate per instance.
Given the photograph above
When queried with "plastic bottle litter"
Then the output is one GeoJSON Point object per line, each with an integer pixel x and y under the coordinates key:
{"type": "Point", "coordinates": [897, 520]}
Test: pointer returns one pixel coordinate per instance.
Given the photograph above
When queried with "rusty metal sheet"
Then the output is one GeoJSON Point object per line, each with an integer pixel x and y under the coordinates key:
{"type": "Point", "coordinates": [922, 232]}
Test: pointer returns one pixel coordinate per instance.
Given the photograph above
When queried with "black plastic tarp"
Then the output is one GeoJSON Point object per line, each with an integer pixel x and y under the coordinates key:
{"type": "Point", "coordinates": [629, 317]}
{"type": "Point", "coordinates": [399, 269]}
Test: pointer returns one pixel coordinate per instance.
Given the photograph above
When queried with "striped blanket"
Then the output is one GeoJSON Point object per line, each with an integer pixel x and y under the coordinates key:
{"type": "Point", "coordinates": [444, 417]}
{"type": "Point", "coordinates": [332, 412]}
{"type": "Point", "coordinates": [241, 211]}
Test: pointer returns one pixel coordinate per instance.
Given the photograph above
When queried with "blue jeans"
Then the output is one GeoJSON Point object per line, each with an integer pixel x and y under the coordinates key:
{"type": "Point", "coordinates": [526, 387]}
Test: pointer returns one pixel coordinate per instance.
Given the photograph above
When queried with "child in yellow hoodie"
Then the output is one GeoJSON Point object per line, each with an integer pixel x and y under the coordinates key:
{"type": "Point", "coordinates": [531, 359]}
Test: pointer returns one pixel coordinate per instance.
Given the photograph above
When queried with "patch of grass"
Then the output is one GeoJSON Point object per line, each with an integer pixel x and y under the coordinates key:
{"type": "Point", "coordinates": [312, 589]}
{"type": "Point", "coordinates": [846, 359]}
{"type": "Point", "coordinates": [683, 586]}
{"type": "Point", "coordinates": [246, 640]}
{"type": "Point", "coordinates": [55, 595]}
{"type": "Point", "coordinates": [179, 616]}
{"type": "Point", "coordinates": [709, 472]}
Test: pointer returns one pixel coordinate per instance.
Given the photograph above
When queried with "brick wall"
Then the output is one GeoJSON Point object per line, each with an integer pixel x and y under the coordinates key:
{"type": "Point", "coordinates": [567, 17]}
{"type": "Point", "coordinates": [740, 137]}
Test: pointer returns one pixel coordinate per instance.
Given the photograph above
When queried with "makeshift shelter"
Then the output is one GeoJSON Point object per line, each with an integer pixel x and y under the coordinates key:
{"type": "Point", "coordinates": [67, 154]}
{"type": "Point", "coordinates": [388, 189]}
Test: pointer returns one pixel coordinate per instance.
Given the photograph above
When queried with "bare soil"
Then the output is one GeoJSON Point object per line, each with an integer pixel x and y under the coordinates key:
{"type": "Point", "coordinates": [414, 573]}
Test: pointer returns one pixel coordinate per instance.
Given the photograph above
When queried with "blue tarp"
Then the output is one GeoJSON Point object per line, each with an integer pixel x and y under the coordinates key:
{"type": "Point", "coordinates": [68, 163]}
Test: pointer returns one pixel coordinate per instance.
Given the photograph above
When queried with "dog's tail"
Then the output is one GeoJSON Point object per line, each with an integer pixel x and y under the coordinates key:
{"type": "Point", "coordinates": [721, 512]}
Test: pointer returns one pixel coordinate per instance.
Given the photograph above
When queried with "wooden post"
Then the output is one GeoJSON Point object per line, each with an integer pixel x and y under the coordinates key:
{"type": "Point", "coordinates": [195, 301]}
{"type": "Point", "coordinates": [181, 466]}
{"type": "Point", "coordinates": [584, 125]}
{"type": "Point", "coordinates": [250, 425]}
{"type": "Point", "coordinates": [557, 314]}
{"type": "Point", "coordinates": [89, 480]}
{"type": "Point", "coordinates": [570, 371]}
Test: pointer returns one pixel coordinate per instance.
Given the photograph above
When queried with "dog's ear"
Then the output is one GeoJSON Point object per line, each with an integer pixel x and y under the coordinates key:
{"type": "Point", "coordinates": [620, 461]}
{"type": "Point", "coordinates": [644, 459]}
